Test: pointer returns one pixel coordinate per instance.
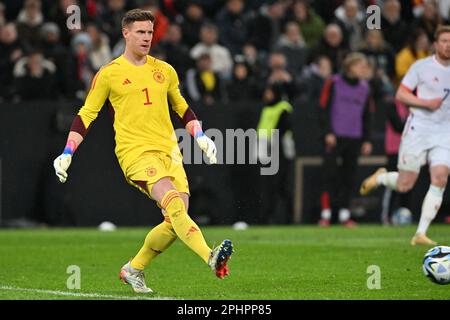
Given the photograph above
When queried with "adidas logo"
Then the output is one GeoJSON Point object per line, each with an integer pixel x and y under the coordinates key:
{"type": "Point", "coordinates": [126, 81]}
{"type": "Point", "coordinates": [191, 230]}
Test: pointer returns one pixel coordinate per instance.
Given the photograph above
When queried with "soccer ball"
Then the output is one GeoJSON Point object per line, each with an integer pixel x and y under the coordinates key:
{"type": "Point", "coordinates": [436, 264]}
{"type": "Point", "coordinates": [401, 217]}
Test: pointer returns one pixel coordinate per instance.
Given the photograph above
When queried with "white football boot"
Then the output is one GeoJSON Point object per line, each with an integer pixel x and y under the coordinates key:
{"type": "Point", "coordinates": [135, 278]}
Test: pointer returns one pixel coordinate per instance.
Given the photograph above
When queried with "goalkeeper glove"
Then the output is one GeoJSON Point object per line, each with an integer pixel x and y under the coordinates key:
{"type": "Point", "coordinates": [61, 164]}
{"type": "Point", "coordinates": [208, 146]}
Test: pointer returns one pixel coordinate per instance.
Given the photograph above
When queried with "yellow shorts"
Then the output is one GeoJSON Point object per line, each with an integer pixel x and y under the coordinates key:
{"type": "Point", "coordinates": [153, 166]}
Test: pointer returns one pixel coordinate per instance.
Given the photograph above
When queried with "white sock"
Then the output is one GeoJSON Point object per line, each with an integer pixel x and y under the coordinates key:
{"type": "Point", "coordinates": [430, 207]}
{"type": "Point", "coordinates": [325, 214]}
{"type": "Point", "coordinates": [344, 214]}
{"type": "Point", "coordinates": [388, 179]}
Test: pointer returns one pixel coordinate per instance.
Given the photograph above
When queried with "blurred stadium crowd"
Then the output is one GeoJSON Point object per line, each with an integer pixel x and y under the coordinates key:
{"type": "Point", "coordinates": [225, 51]}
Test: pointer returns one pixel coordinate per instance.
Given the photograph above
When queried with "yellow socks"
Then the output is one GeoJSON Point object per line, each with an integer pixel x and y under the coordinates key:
{"type": "Point", "coordinates": [176, 223]}
{"type": "Point", "coordinates": [185, 228]}
{"type": "Point", "coordinates": [157, 241]}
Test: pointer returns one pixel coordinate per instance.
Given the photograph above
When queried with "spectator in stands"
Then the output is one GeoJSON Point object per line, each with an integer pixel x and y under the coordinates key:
{"type": "Point", "coordinates": [81, 48]}
{"type": "Point", "coordinates": [265, 27]}
{"type": "Point", "coordinates": [232, 26]}
{"type": "Point", "coordinates": [312, 80]}
{"type": "Point", "coordinates": [396, 116]}
{"type": "Point", "coordinates": [381, 57]}
{"type": "Point", "coordinates": [350, 19]}
{"type": "Point", "coordinates": [110, 21]}
{"type": "Point", "coordinates": [242, 86]}
{"type": "Point", "coordinates": [161, 23]}
{"type": "Point", "coordinates": [203, 84]}
{"type": "Point", "coordinates": [192, 23]}
{"type": "Point", "coordinates": [254, 59]}
{"type": "Point", "coordinates": [35, 77]}
{"type": "Point", "coordinates": [345, 123]}
{"type": "Point", "coordinates": [54, 51]}
{"type": "Point", "coordinates": [311, 24]}
{"type": "Point", "coordinates": [11, 51]}
{"type": "Point", "coordinates": [59, 13]}
{"type": "Point", "coordinates": [277, 188]}
{"type": "Point", "coordinates": [332, 46]}
{"type": "Point", "coordinates": [429, 19]}
{"type": "Point", "coordinates": [222, 62]}
{"type": "Point", "coordinates": [416, 48]}
{"type": "Point", "coordinates": [394, 28]}
{"type": "Point", "coordinates": [277, 73]}
{"type": "Point", "coordinates": [29, 22]}
{"type": "Point", "coordinates": [292, 45]}
{"type": "Point", "coordinates": [100, 53]}
{"type": "Point", "coordinates": [177, 53]}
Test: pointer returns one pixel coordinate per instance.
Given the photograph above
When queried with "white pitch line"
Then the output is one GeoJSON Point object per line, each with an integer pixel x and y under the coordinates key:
{"type": "Point", "coordinates": [82, 295]}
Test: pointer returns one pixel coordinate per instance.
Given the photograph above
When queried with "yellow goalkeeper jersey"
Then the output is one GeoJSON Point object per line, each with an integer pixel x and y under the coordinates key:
{"type": "Point", "coordinates": [139, 97]}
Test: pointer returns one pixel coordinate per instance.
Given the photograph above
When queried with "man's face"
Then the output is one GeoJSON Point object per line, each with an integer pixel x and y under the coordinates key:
{"type": "Point", "coordinates": [325, 67]}
{"type": "Point", "coordinates": [429, 10]}
{"type": "Point", "coordinates": [8, 33]}
{"type": "Point", "coordinates": [174, 33]}
{"type": "Point", "coordinates": [392, 9]}
{"type": "Point", "coordinates": [351, 8]}
{"type": "Point", "coordinates": [300, 11]}
{"type": "Point", "coordinates": [442, 46]}
{"type": "Point", "coordinates": [208, 36]}
{"type": "Point", "coordinates": [116, 5]}
{"type": "Point", "coordinates": [32, 10]}
{"type": "Point", "coordinates": [293, 32]}
{"type": "Point", "coordinates": [204, 63]}
{"type": "Point", "coordinates": [268, 95]}
{"type": "Point", "coordinates": [138, 37]}
{"type": "Point", "coordinates": [35, 59]}
{"type": "Point", "coordinates": [359, 69]}
{"type": "Point", "coordinates": [333, 36]}
{"type": "Point", "coordinates": [235, 6]}
{"type": "Point", "coordinates": [194, 12]}
{"type": "Point", "coordinates": [277, 61]}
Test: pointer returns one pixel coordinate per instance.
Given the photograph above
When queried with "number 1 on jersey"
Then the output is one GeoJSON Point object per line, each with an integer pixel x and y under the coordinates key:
{"type": "Point", "coordinates": [148, 102]}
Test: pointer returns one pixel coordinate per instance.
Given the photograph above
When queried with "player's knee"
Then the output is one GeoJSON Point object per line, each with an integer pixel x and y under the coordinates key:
{"type": "Point", "coordinates": [174, 205]}
{"type": "Point", "coordinates": [439, 180]}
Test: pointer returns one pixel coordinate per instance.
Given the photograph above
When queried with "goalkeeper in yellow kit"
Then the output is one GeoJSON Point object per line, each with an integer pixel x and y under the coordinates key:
{"type": "Point", "coordinates": [139, 89]}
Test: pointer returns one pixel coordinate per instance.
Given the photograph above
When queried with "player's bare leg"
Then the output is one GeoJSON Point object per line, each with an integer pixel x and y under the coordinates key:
{"type": "Point", "coordinates": [187, 230]}
{"type": "Point", "coordinates": [431, 203]}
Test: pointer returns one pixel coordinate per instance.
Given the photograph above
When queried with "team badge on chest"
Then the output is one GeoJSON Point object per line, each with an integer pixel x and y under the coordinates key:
{"type": "Point", "coordinates": [158, 76]}
{"type": "Point", "coordinates": [151, 172]}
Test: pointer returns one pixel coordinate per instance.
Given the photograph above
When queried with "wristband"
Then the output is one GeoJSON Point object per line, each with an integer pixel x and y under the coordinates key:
{"type": "Point", "coordinates": [70, 148]}
{"type": "Point", "coordinates": [196, 130]}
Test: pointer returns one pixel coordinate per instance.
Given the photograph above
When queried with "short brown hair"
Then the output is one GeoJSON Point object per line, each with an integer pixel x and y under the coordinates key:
{"type": "Point", "coordinates": [137, 15]}
{"type": "Point", "coordinates": [440, 30]}
{"type": "Point", "coordinates": [351, 59]}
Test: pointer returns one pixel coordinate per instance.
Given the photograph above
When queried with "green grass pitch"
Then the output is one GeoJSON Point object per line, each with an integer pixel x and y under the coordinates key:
{"type": "Point", "coordinates": [269, 263]}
